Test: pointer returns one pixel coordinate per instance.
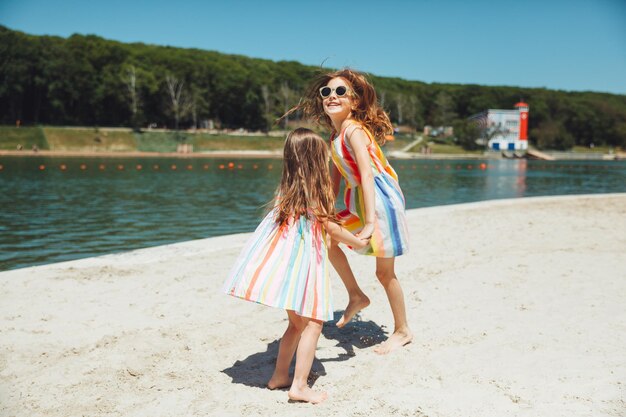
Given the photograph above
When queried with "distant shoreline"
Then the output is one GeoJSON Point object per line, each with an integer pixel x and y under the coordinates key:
{"type": "Point", "coordinates": [258, 154]}
{"type": "Point", "coordinates": [83, 142]}
{"type": "Point", "coordinates": [196, 155]}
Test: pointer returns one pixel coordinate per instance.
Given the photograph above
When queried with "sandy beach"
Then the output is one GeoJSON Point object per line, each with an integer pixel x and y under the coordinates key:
{"type": "Point", "coordinates": [517, 307]}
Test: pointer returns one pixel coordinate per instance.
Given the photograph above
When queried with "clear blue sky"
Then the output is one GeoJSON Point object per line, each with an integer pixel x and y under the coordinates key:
{"type": "Point", "coordinates": [560, 44]}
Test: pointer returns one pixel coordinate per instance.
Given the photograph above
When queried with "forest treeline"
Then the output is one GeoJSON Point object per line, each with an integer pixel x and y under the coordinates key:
{"type": "Point", "coordinates": [91, 81]}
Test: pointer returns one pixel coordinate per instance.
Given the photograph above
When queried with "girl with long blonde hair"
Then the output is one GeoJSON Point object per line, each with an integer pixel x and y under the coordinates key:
{"type": "Point", "coordinates": [285, 262]}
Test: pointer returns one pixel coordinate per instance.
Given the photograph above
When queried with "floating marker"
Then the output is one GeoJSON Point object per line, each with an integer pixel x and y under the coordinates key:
{"type": "Point", "coordinates": [221, 166]}
{"type": "Point", "coordinates": [173, 167]}
{"type": "Point", "coordinates": [120, 167]}
{"type": "Point", "coordinates": [231, 165]}
{"type": "Point", "coordinates": [83, 167]}
{"type": "Point", "coordinates": [42, 167]}
{"type": "Point", "coordinates": [270, 166]}
{"type": "Point", "coordinates": [155, 167]}
{"type": "Point", "coordinates": [239, 166]}
{"type": "Point", "coordinates": [1, 167]}
{"type": "Point", "coordinates": [63, 167]}
{"type": "Point", "coordinates": [483, 166]}
{"type": "Point", "coordinates": [138, 167]}
{"type": "Point", "coordinates": [101, 167]}
{"type": "Point", "coordinates": [255, 166]}
{"type": "Point", "coordinates": [205, 166]}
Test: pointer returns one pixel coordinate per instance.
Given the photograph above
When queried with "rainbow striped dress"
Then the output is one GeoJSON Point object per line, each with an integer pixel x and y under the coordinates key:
{"type": "Point", "coordinates": [391, 236]}
{"type": "Point", "coordinates": [285, 266]}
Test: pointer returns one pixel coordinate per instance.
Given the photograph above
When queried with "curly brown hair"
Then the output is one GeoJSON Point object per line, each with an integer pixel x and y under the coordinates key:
{"type": "Point", "coordinates": [366, 109]}
{"type": "Point", "coordinates": [305, 184]}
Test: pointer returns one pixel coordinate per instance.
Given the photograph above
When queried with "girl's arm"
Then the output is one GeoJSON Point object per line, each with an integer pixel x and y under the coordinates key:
{"type": "Point", "coordinates": [359, 141]}
{"type": "Point", "coordinates": [340, 234]}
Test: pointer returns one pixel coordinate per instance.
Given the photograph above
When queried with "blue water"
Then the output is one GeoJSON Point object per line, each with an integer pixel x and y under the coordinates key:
{"type": "Point", "coordinates": [65, 211]}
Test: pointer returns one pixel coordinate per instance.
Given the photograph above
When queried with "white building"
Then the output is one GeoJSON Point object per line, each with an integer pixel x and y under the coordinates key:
{"type": "Point", "coordinates": [505, 130]}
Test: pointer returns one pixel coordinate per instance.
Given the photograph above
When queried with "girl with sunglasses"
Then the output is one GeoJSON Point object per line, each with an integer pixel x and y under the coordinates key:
{"type": "Point", "coordinates": [285, 262]}
{"type": "Point", "coordinates": [346, 103]}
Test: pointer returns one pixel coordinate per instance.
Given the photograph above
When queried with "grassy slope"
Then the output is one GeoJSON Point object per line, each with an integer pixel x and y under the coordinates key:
{"type": "Point", "coordinates": [11, 137]}
{"type": "Point", "coordinates": [92, 140]}
{"type": "Point", "coordinates": [204, 142]}
{"type": "Point", "coordinates": [156, 141]}
{"type": "Point", "coordinates": [124, 140]}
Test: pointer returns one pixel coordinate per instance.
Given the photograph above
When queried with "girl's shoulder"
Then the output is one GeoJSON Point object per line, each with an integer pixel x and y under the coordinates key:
{"type": "Point", "coordinates": [354, 126]}
{"type": "Point", "coordinates": [351, 126]}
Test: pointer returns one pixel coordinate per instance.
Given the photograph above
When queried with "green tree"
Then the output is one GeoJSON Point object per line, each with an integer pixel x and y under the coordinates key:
{"type": "Point", "coordinates": [81, 80]}
{"type": "Point", "coordinates": [553, 135]}
{"type": "Point", "coordinates": [443, 111]}
{"type": "Point", "coordinates": [466, 133]}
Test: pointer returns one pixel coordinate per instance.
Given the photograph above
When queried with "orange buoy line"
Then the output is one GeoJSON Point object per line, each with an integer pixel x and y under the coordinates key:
{"type": "Point", "coordinates": [64, 167]}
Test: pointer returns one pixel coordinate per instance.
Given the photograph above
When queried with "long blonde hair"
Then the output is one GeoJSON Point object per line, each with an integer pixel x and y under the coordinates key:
{"type": "Point", "coordinates": [305, 184]}
{"type": "Point", "coordinates": [365, 110]}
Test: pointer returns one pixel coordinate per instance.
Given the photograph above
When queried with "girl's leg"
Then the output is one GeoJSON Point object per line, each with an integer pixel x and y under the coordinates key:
{"type": "Point", "coordinates": [286, 350]}
{"type": "Point", "coordinates": [300, 390]}
{"type": "Point", "coordinates": [357, 300]}
{"type": "Point", "coordinates": [401, 332]}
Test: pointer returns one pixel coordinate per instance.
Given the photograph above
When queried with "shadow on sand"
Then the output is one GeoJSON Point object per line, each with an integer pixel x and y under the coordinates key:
{"type": "Point", "coordinates": [356, 334]}
{"type": "Point", "coordinates": [257, 369]}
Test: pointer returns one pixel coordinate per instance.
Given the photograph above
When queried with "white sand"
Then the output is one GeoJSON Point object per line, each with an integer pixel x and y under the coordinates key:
{"type": "Point", "coordinates": [518, 309]}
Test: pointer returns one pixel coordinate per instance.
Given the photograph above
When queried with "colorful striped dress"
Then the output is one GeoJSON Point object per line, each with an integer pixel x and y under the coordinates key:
{"type": "Point", "coordinates": [391, 236]}
{"type": "Point", "coordinates": [285, 266]}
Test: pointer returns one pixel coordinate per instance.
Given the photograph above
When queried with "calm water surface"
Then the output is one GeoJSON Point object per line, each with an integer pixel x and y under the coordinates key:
{"type": "Point", "coordinates": [55, 210]}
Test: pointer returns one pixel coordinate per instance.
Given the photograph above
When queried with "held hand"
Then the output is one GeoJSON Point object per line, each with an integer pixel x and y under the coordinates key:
{"type": "Point", "coordinates": [362, 243]}
{"type": "Point", "coordinates": [366, 232]}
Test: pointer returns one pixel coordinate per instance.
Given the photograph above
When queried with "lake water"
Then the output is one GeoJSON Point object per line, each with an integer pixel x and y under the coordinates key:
{"type": "Point", "coordinates": [55, 209]}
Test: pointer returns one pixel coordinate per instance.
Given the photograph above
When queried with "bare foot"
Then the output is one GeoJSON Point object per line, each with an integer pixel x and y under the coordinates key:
{"type": "Point", "coordinates": [277, 382]}
{"type": "Point", "coordinates": [398, 339]}
{"type": "Point", "coordinates": [307, 394]}
{"type": "Point", "coordinates": [355, 305]}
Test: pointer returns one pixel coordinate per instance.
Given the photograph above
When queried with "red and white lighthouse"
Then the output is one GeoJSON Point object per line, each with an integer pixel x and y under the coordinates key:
{"type": "Point", "coordinates": [523, 121]}
{"type": "Point", "coordinates": [507, 129]}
